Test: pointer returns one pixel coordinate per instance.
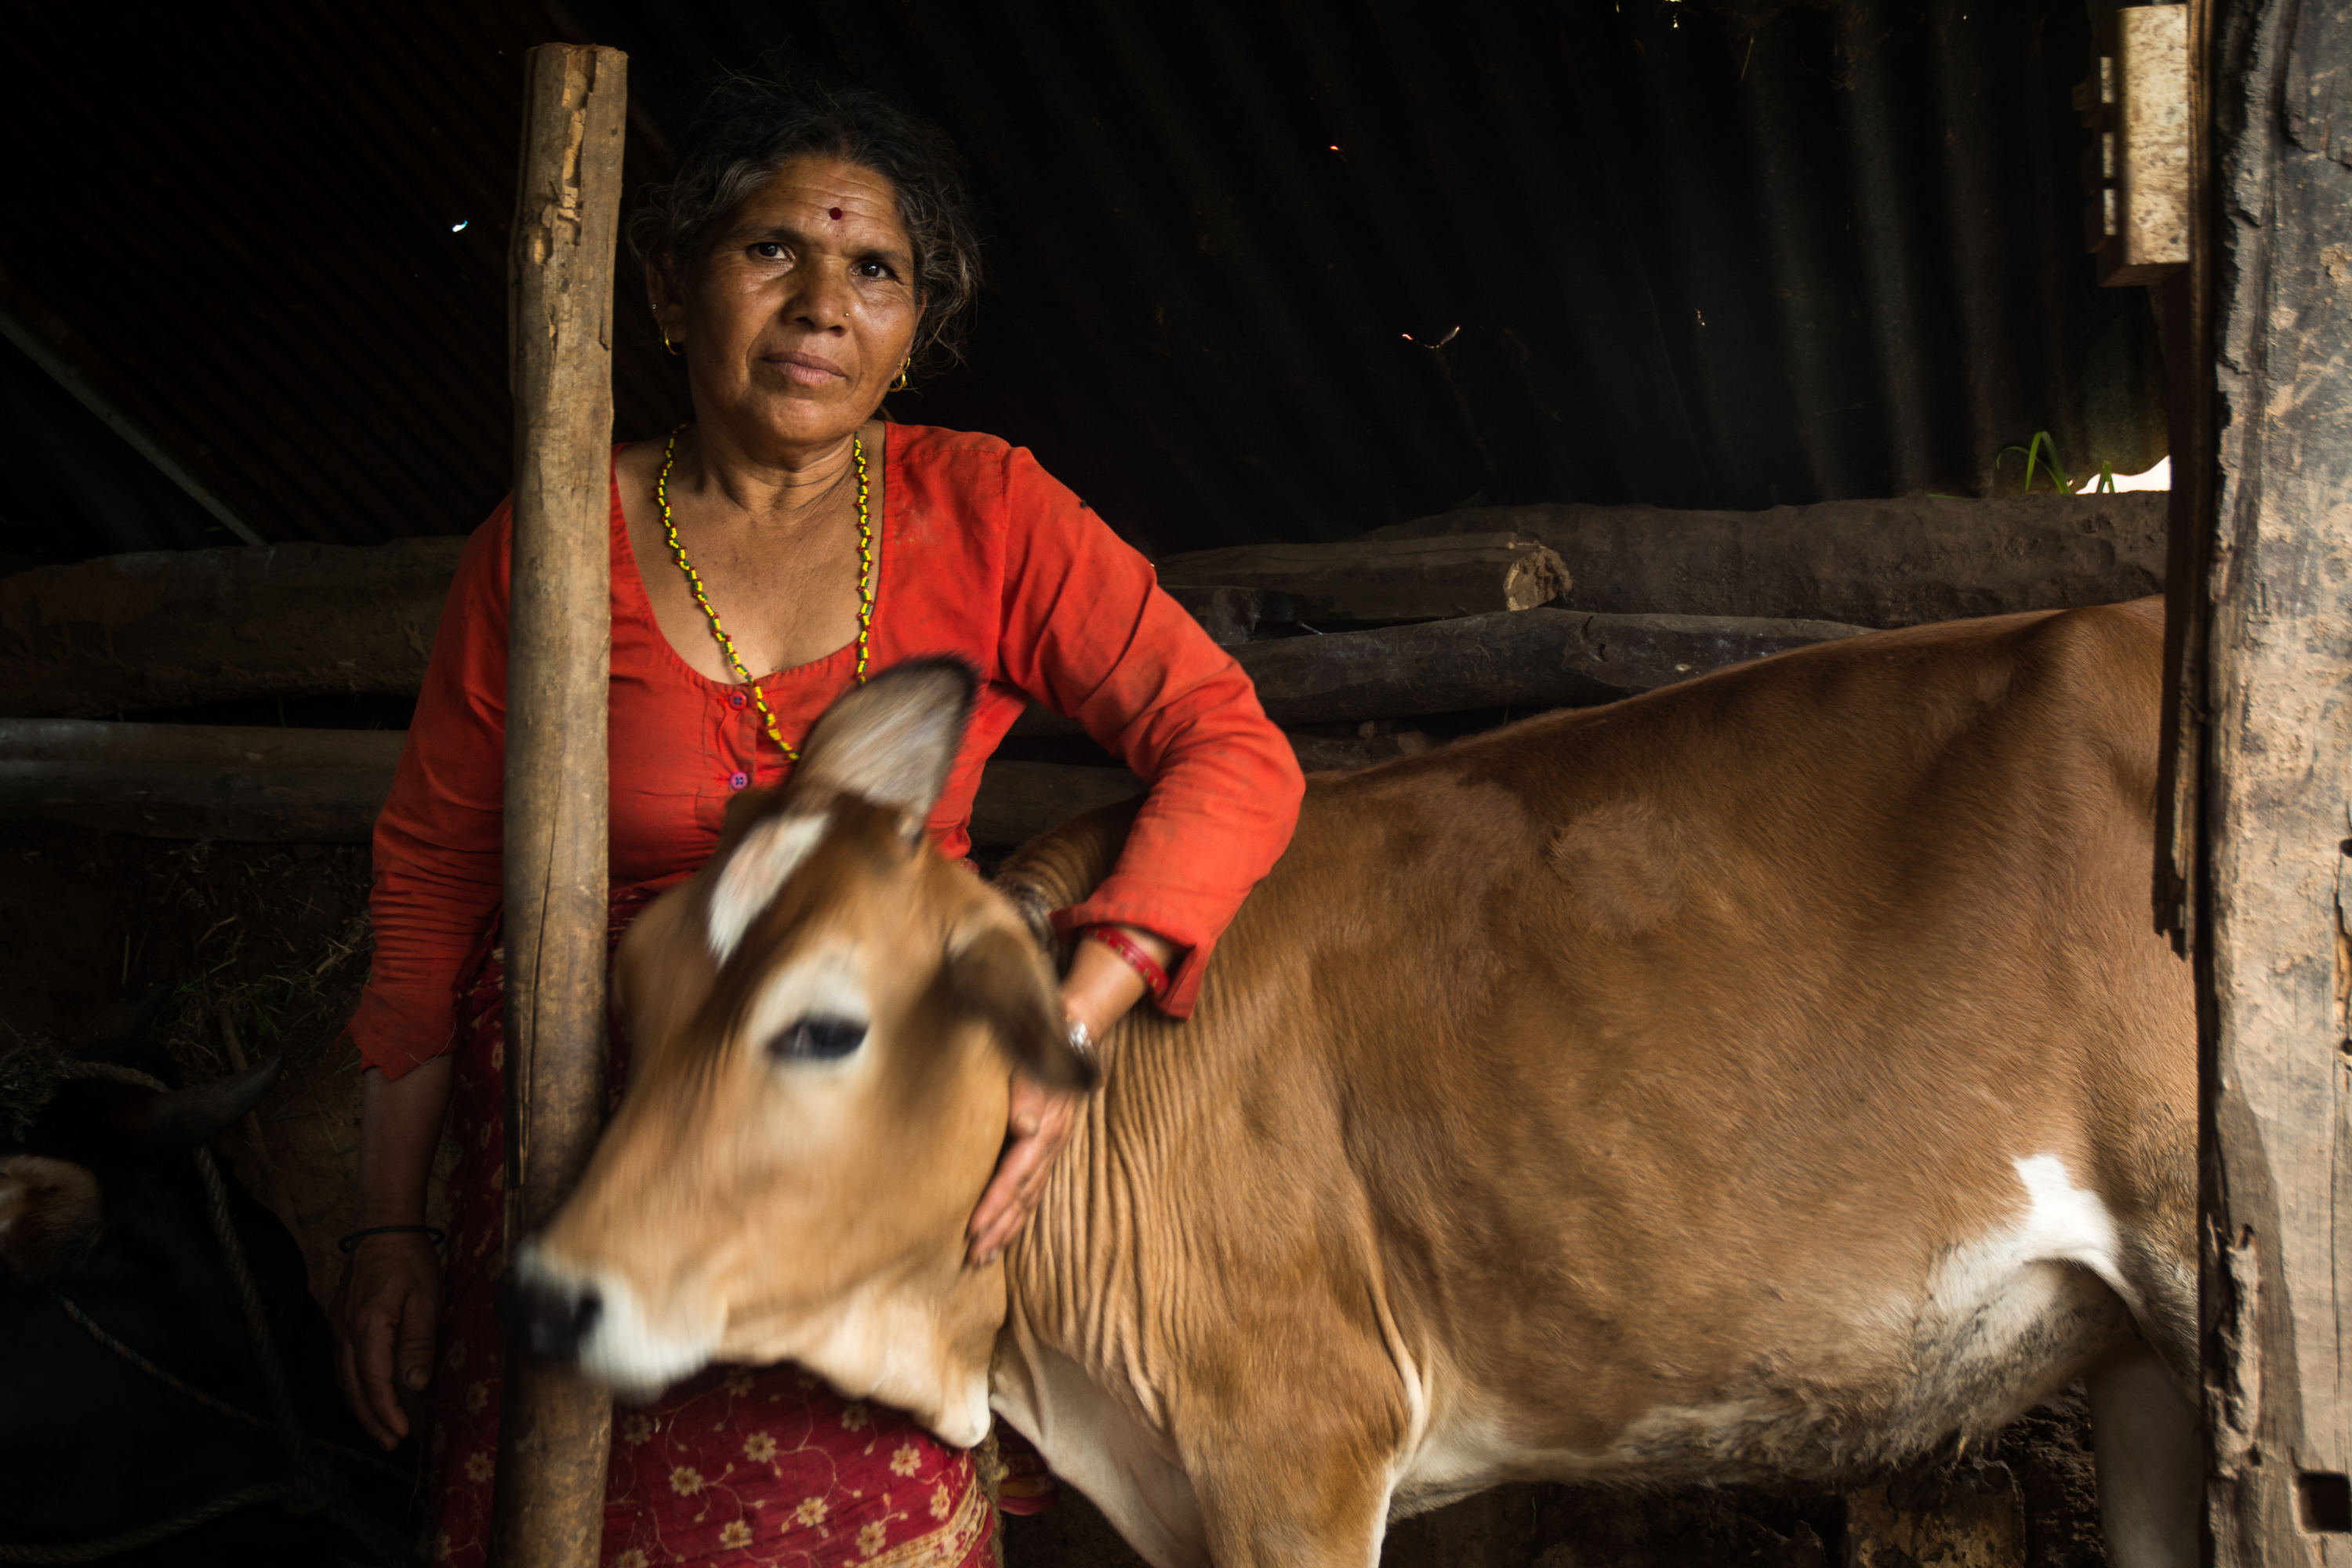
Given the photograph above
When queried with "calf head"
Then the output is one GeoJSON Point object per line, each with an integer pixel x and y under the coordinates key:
{"type": "Point", "coordinates": [821, 1022]}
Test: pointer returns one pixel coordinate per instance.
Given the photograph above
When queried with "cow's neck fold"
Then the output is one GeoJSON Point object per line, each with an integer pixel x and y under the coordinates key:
{"type": "Point", "coordinates": [1076, 1280]}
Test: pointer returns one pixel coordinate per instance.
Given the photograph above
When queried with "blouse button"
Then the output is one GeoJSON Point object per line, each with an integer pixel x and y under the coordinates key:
{"type": "Point", "coordinates": [737, 781]}
{"type": "Point", "coordinates": [735, 699]}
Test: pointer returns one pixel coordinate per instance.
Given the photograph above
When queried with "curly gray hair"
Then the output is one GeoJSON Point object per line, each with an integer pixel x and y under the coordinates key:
{"type": "Point", "coordinates": [749, 127]}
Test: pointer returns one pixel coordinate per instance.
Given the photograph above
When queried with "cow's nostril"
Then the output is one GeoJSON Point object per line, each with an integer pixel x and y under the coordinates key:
{"type": "Point", "coordinates": [554, 1320]}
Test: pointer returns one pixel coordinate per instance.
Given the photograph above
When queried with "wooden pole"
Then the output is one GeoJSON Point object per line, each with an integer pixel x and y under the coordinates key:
{"type": "Point", "coordinates": [2271, 640]}
{"type": "Point", "coordinates": [556, 1428]}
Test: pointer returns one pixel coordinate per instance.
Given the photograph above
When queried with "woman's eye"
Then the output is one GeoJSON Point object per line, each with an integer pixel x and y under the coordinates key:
{"type": "Point", "coordinates": [769, 250]}
{"type": "Point", "coordinates": [817, 1040]}
{"type": "Point", "coordinates": [872, 270]}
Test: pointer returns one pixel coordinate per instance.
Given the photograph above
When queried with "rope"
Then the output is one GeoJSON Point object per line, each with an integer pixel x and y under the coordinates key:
{"type": "Point", "coordinates": [162, 1530]}
{"type": "Point", "coordinates": [98, 1331]}
{"type": "Point", "coordinates": [308, 1484]}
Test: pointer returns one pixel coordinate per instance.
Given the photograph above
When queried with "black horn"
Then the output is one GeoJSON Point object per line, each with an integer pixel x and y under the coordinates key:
{"type": "Point", "coordinates": [184, 1118]}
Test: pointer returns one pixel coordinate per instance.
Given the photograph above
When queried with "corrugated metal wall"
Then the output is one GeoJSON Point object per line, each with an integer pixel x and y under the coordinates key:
{"type": "Point", "coordinates": [1698, 254]}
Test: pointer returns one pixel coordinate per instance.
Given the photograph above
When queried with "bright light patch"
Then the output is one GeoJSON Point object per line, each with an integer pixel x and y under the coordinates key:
{"type": "Point", "coordinates": [455, 227]}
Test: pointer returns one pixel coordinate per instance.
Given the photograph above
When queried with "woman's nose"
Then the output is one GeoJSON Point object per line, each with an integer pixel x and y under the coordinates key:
{"type": "Point", "coordinates": [823, 299]}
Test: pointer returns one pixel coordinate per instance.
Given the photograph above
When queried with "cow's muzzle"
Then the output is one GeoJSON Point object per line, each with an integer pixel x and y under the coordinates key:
{"type": "Point", "coordinates": [552, 1318]}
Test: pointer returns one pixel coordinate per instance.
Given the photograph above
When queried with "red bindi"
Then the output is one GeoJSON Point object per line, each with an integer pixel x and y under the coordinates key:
{"type": "Point", "coordinates": [836, 214]}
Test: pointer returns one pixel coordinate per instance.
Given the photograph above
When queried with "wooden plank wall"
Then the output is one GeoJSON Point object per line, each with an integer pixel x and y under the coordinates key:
{"type": "Point", "coordinates": [2271, 745]}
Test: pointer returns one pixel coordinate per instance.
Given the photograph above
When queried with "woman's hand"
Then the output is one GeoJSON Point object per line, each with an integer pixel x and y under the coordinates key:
{"type": "Point", "coordinates": [385, 1316]}
{"type": "Point", "coordinates": [1099, 991]}
{"type": "Point", "coordinates": [1040, 1122]}
{"type": "Point", "coordinates": [388, 1310]}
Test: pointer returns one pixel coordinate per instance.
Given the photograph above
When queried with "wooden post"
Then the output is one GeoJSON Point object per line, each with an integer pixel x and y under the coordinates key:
{"type": "Point", "coordinates": [2266, 738]}
{"type": "Point", "coordinates": [556, 1428]}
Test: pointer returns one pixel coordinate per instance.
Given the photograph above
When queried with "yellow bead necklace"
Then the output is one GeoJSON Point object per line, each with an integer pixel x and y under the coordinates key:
{"type": "Point", "coordinates": [726, 643]}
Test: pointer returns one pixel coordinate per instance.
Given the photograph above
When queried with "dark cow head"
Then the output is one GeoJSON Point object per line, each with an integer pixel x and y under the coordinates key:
{"type": "Point", "coordinates": [105, 1220]}
{"type": "Point", "coordinates": [52, 1208]}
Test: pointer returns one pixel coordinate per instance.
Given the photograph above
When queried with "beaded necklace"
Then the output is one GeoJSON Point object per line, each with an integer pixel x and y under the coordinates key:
{"type": "Point", "coordinates": [726, 643]}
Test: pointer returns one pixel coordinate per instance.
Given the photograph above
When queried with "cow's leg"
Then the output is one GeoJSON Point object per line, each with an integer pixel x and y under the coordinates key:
{"type": "Point", "coordinates": [1300, 1509]}
{"type": "Point", "coordinates": [1295, 1477]}
{"type": "Point", "coordinates": [2151, 1462]}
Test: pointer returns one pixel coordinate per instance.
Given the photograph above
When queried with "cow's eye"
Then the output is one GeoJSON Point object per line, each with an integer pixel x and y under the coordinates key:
{"type": "Point", "coordinates": [817, 1040]}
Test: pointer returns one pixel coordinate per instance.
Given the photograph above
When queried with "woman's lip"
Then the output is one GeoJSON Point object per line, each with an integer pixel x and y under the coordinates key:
{"type": "Point", "coordinates": [807, 370]}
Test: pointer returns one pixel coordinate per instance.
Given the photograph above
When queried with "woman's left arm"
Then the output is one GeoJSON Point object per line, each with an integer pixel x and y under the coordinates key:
{"type": "Point", "coordinates": [1088, 631]}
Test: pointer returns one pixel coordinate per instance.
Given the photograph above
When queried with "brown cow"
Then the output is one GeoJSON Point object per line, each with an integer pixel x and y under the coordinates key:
{"type": "Point", "coordinates": [1765, 1079]}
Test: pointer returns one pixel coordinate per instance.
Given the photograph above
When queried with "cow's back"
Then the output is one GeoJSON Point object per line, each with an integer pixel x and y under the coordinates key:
{"type": "Point", "coordinates": [1663, 1088]}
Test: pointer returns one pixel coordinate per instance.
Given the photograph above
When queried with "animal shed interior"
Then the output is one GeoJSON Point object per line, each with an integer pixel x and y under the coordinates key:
{"type": "Point", "coordinates": [1255, 275]}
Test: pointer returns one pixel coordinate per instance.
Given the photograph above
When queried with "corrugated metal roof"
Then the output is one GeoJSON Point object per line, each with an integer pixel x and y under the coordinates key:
{"type": "Point", "coordinates": [1698, 253]}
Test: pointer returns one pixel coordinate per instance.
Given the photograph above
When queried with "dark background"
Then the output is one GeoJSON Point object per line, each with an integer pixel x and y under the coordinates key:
{"type": "Point", "coordinates": [1700, 253]}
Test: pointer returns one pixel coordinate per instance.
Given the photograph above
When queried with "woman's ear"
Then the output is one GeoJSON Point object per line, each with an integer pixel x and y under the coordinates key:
{"type": "Point", "coordinates": [666, 296]}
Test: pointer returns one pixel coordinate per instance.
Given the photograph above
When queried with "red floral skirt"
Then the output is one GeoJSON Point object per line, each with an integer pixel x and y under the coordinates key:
{"type": "Point", "coordinates": [740, 1466]}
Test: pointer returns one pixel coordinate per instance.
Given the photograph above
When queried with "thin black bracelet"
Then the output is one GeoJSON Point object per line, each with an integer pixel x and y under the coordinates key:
{"type": "Point", "coordinates": [356, 1236]}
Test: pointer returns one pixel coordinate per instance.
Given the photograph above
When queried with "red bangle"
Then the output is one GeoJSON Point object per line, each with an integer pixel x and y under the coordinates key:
{"type": "Point", "coordinates": [1155, 979]}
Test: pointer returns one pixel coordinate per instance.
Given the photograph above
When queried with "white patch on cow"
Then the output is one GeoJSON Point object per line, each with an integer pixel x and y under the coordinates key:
{"type": "Point", "coordinates": [1992, 1287]}
{"type": "Point", "coordinates": [1102, 1443]}
{"type": "Point", "coordinates": [624, 1349]}
{"type": "Point", "coordinates": [876, 1343]}
{"type": "Point", "coordinates": [762, 863]}
{"type": "Point", "coordinates": [1996, 1322]}
{"type": "Point", "coordinates": [1459, 1456]}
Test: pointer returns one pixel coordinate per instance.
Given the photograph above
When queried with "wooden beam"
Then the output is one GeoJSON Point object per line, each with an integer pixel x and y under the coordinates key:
{"type": "Point", "coordinates": [260, 785]}
{"type": "Point", "coordinates": [554, 1426]}
{"type": "Point", "coordinates": [2274, 937]}
{"type": "Point", "coordinates": [1409, 579]}
{"type": "Point", "coordinates": [143, 632]}
{"type": "Point", "coordinates": [1866, 562]}
{"type": "Point", "coordinates": [1530, 660]}
{"type": "Point", "coordinates": [197, 781]}
{"type": "Point", "coordinates": [173, 628]}
{"type": "Point", "coordinates": [1018, 801]}
{"type": "Point", "coordinates": [1230, 615]}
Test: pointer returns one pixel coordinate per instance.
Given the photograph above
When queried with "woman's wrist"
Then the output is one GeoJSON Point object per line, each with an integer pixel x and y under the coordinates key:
{"type": "Point", "coordinates": [1135, 949]}
{"type": "Point", "coordinates": [400, 1128]}
{"type": "Point", "coordinates": [1102, 987]}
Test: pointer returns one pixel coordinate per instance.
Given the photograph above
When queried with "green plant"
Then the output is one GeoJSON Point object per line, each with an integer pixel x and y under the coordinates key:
{"type": "Point", "coordinates": [2041, 445]}
{"type": "Point", "coordinates": [2043, 450]}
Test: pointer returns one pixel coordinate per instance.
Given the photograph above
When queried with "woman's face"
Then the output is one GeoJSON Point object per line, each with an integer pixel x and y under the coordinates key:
{"type": "Point", "coordinates": [802, 308]}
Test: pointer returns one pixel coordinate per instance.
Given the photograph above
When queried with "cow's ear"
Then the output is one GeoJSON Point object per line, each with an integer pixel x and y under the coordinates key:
{"type": "Point", "coordinates": [893, 740]}
{"type": "Point", "coordinates": [1001, 980]}
{"type": "Point", "coordinates": [51, 1214]}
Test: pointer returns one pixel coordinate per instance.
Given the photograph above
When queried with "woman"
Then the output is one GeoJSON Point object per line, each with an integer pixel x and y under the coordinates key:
{"type": "Point", "coordinates": [810, 251]}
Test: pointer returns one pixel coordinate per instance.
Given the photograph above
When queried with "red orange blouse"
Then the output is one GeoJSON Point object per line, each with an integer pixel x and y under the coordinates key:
{"type": "Point", "coordinates": [980, 553]}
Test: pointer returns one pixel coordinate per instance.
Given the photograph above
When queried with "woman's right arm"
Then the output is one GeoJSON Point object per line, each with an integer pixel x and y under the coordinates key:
{"type": "Point", "coordinates": [438, 881]}
{"type": "Point", "coordinates": [389, 1306]}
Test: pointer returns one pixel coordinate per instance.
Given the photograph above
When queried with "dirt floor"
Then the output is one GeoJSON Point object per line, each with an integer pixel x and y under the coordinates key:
{"type": "Point", "coordinates": [269, 943]}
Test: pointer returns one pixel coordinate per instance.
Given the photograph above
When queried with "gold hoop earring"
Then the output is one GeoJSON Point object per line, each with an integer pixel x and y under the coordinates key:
{"type": "Point", "coordinates": [677, 348]}
{"type": "Point", "coordinates": [904, 365]}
